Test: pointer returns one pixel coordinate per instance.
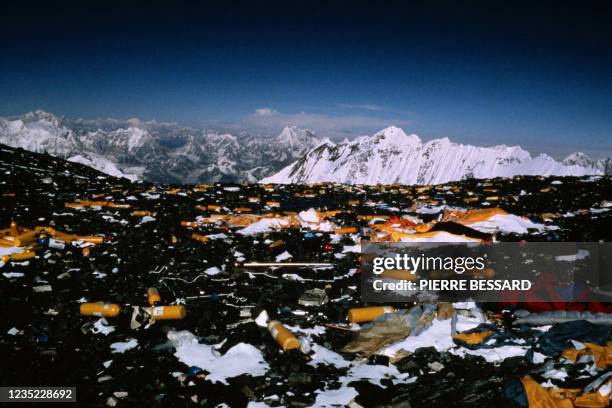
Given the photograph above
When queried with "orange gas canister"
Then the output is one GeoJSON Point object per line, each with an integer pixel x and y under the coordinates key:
{"type": "Point", "coordinates": [26, 238]}
{"type": "Point", "coordinates": [19, 256]}
{"type": "Point", "coordinates": [153, 296]}
{"type": "Point", "coordinates": [93, 239]}
{"type": "Point", "coordinates": [283, 337]}
{"type": "Point", "coordinates": [199, 237]}
{"type": "Point", "coordinates": [347, 230]}
{"type": "Point", "coordinates": [242, 210]}
{"type": "Point", "coordinates": [100, 309]}
{"type": "Point", "coordinates": [367, 314]}
{"type": "Point", "coordinates": [276, 243]}
{"type": "Point", "coordinates": [168, 312]}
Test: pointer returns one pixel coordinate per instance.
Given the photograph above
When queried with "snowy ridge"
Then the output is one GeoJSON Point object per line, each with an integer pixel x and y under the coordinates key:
{"type": "Point", "coordinates": [390, 156]}
{"type": "Point", "coordinates": [581, 159]}
{"type": "Point", "coordinates": [157, 151]}
{"type": "Point", "coordinates": [172, 153]}
{"type": "Point", "coordinates": [103, 165]}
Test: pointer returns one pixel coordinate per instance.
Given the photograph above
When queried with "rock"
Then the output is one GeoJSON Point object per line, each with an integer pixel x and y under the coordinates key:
{"type": "Point", "coordinates": [313, 297]}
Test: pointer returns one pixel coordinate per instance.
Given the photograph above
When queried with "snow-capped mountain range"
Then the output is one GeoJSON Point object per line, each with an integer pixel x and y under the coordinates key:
{"type": "Point", "coordinates": [162, 152]}
{"type": "Point", "coordinates": [391, 156]}
{"type": "Point", "coordinates": [172, 153]}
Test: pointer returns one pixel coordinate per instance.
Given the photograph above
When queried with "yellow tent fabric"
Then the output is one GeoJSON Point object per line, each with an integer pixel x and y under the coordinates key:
{"type": "Point", "coordinates": [471, 216]}
{"type": "Point", "coordinates": [539, 397]}
{"type": "Point", "coordinates": [473, 338]}
{"type": "Point", "coordinates": [592, 400]}
{"type": "Point", "coordinates": [602, 355]}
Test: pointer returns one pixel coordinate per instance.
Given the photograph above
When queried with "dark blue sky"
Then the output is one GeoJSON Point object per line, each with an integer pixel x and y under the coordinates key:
{"type": "Point", "coordinates": [475, 72]}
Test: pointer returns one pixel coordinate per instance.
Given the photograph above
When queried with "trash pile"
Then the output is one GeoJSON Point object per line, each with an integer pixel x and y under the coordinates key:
{"type": "Point", "coordinates": [150, 295]}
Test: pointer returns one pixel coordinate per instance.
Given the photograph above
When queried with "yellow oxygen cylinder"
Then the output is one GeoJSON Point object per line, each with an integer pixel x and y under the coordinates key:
{"type": "Point", "coordinates": [283, 337]}
{"type": "Point", "coordinates": [242, 210]}
{"type": "Point", "coordinates": [65, 237]}
{"type": "Point", "coordinates": [367, 314]}
{"type": "Point", "coordinates": [19, 256]}
{"type": "Point", "coordinates": [73, 205]}
{"type": "Point", "coordinates": [347, 230]}
{"type": "Point", "coordinates": [276, 243]}
{"type": "Point", "coordinates": [168, 312]}
{"type": "Point", "coordinates": [25, 239]}
{"type": "Point", "coordinates": [153, 296]}
{"type": "Point", "coordinates": [100, 309]}
{"type": "Point", "coordinates": [118, 205]}
{"type": "Point", "coordinates": [93, 239]}
{"type": "Point", "coordinates": [199, 237]}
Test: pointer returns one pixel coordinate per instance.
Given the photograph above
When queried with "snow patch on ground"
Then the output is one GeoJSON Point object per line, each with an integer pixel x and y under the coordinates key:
{"type": "Point", "coordinates": [101, 326]}
{"type": "Point", "coordinates": [442, 236]}
{"type": "Point", "coordinates": [264, 225]}
{"type": "Point", "coordinates": [10, 275]}
{"type": "Point", "coordinates": [283, 257]}
{"type": "Point", "coordinates": [335, 398]}
{"type": "Point", "coordinates": [262, 319]}
{"type": "Point", "coordinates": [506, 224]}
{"type": "Point", "coordinates": [438, 335]}
{"type": "Point", "coordinates": [10, 250]}
{"type": "Point", "coordinates": [212, 271]}
{"type": "Point", "coordinates": [240, 359]}
{"type": "Point", "coordinates": [102, 164]}
{"type": "Point", "coordinates": [492, 355]}
{"type": "Point", "coordinates": [121, 347]}
{"type": "Point", "coordinates": [581, 254]}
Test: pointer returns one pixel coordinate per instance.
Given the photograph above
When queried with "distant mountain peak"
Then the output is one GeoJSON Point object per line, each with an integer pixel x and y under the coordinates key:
{"type": "Point", "coordinates": [577, 156]}
{"type": "Point", "coordinates": [291, 131]}
{"type": "Point", "coordinates": [38, 115]}
{"type": "Point", "coordinates": [396, 135]}
{"type": "Point", "coordinates": [583, 160]}
{"type": "Point", "coordinates": [292, 136]}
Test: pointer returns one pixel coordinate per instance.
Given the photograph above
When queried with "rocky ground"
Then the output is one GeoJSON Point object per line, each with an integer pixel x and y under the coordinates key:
{"type": "Point", "coordinates": [45, 341]}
